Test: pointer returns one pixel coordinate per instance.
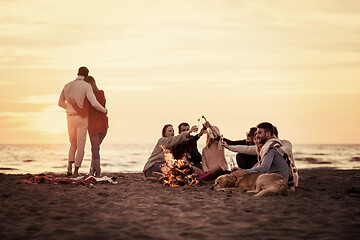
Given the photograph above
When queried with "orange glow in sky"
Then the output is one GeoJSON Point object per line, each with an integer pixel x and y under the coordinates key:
{"type": "Point", "coordinates": [293, 63]}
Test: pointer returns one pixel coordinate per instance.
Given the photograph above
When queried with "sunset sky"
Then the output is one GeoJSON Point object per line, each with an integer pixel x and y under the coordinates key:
{"type": "Point", "coordinates": [295, 64]}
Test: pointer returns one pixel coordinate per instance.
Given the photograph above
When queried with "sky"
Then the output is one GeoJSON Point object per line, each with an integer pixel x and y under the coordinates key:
{"type": "Point", "coordinates": [295, 64]}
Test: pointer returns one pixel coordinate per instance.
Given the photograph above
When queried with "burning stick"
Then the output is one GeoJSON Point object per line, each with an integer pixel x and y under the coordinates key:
{"type": "Point", "coordinates": [177, 173]}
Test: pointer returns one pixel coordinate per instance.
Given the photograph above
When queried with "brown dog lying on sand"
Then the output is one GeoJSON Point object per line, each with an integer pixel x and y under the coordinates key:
{"type": "Point", "coordinates": [262, 184]}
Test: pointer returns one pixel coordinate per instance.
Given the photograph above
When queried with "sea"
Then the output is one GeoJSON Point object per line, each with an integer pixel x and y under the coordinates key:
{"type": "Point", "coordinates": [52, 158]}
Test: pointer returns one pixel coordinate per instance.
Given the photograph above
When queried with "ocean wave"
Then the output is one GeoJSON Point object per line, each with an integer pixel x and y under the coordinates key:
{"type": "Point", "coordinates": [107, 165]}
{"type": "Point", "coordinates": [11, 169]}
{"type": "Point", "coordinates": [64, 166]}
{"type": "Point", "coordinates": [28, 160]}
{"type": "Point", "coordinates": [312, 160]}
{"type": "Point", "coordinates": [124, 158]}
{"type": "Point", "coordinates": [355, 159]}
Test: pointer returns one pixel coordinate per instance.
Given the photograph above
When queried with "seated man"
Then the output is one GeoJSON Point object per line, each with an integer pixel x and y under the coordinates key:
{"type": "Point", "coordinates": [285, 150]}
{"type": "Point", "coordinates": [271, 154]}
{"type": "Point", "coordinates": [189, 147]}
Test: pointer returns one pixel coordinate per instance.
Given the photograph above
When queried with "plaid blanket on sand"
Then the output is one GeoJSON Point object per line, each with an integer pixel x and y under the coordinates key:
{"type": "Point", "coordinates": [42, 178]}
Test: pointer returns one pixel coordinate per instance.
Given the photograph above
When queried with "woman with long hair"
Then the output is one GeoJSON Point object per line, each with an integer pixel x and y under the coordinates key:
{"type": "Point", "coordinates": [213, 156]}
{"type": "Point", "coordinates": [168, 140]}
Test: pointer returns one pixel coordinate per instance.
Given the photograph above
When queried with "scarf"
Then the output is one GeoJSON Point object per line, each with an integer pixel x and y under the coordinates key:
{"type": "Point", "coordinates": [293, 172]}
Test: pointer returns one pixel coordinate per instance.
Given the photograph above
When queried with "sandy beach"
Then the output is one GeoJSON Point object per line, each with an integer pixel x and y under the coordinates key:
{"type": "Point", "coordinates": [325, 206]}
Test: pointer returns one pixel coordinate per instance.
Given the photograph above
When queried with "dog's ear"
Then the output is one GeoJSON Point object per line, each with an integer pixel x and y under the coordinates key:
{"type": "Point", "coordinates": [239, 180]}
{"type": "Point", "coordinates": [232, 177]}
{"type": "Point", "coordinates": [231, 181]}
{"type": "Point", "coordinates": [215, 184]}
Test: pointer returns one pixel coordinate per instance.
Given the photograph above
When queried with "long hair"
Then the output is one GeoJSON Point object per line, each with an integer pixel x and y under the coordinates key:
{"type": "Point", "coordinates": [210, 141]}
{"type": "Point", "coordinates": [92, 82]}
{"type": "Point", "coordinates": [251, 134]}
{"type": "Point", "coordinates": [164, 129]}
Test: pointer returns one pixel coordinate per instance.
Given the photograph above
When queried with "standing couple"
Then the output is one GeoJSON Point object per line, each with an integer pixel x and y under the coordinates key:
{"type": "Point", "coordinates": [85, 110]}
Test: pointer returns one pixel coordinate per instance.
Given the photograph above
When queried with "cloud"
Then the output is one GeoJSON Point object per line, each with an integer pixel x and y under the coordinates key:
{"type": "Point", "coordinates": [18, 121]}
{"type": "Point", "coordinates": [4, 82]}
{"type": "Point", "coordinates": [135, 88]}
{"type": "Point", "coordinates": [49, 120]}
{"type": "Point", "coordinates": [18, 61]}
{"type": "Point", "coordinates": [40, 99]}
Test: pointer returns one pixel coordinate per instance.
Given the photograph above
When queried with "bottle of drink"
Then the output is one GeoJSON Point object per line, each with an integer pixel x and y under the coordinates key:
{"type": "Point", "coordinates": [209, 132]}
{"type": "Point", "coordinates": [198, 124]}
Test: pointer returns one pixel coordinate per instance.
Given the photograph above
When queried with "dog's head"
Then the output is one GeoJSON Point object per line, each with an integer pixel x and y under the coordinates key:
{"type": "Point", "coordinates": [223, 181]}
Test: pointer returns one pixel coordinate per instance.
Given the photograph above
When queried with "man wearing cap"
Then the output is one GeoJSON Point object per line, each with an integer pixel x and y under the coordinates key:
{"type": "Point", "coordinates": [78, 90]}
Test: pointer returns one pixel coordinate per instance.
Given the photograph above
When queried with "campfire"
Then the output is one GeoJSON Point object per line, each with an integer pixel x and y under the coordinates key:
{"type": "Point", "coordinates": [176, 173]}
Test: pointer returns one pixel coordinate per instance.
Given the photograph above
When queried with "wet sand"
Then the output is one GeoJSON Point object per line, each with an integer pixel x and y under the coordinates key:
{"type": "Point", "coordinates": [325, 206]}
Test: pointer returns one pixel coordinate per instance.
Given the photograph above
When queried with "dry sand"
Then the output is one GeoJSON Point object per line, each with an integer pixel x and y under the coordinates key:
{"type": "Point", "coordinates": [325, 206]}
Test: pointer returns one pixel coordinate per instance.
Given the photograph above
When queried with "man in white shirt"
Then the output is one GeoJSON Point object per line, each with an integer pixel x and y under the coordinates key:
{"type": "Point", "coordinates": [78, 90]}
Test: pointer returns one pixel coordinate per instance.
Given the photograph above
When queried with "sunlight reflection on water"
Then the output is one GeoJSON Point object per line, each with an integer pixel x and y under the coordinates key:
{"type": "Point", "coordinates": [132, 158]}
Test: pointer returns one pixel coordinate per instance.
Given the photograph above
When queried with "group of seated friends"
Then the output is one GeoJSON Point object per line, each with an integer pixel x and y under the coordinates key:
{"type": "Point", "coordinates": [260, 152]}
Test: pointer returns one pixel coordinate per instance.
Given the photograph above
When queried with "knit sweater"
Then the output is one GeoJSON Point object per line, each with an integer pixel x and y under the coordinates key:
{"type": "Point", "coordinates": [272, 162]}
{"type": "Point", "coordinates": [212, 156]}
{"type": "Point", "coordinates": [286, 153]}
{"type": "Point", "coordinates": [157, 155]}
{"type": "Point", "coordinates": [78, 90]}
{"type": "Point", "coordinates": [189, 148]}
{"type": "Point", "coordinates": [251, 149]}
{"type": "Point", "coordinates": [98, 121]}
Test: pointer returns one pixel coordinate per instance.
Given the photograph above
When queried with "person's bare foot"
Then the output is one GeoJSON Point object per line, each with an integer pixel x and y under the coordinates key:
{"type": "Point", "coordinates": [69, 169]}
{"type": "Point", "coordinates": [76, 172]}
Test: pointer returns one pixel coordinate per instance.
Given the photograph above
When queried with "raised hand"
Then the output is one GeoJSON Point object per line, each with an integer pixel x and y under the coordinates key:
{"type": "Point", "coordinates": [194, 128]}
{"type": "Point", "coordinates": [201, 132]}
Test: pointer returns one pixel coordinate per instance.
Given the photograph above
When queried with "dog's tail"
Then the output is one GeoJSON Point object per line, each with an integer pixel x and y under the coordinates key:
{"type": "Point", "coordinates": [280, 186]}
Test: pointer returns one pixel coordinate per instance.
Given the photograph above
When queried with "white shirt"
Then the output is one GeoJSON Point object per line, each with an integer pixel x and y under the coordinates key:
{"type": "Point", "coordinates": [251, 149]}
{"type": "Point", "coordinates": [78, 90]}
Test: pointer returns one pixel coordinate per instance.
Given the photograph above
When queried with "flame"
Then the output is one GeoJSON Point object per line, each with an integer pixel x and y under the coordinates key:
{"type": "Point", "coordinates": [177, 172]}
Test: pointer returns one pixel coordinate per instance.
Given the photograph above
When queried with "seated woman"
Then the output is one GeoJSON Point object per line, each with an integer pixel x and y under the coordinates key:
{"type": "Point", "coordinates": [213, 157]}
{"type": "Point", "coordinates": [168, 140]}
